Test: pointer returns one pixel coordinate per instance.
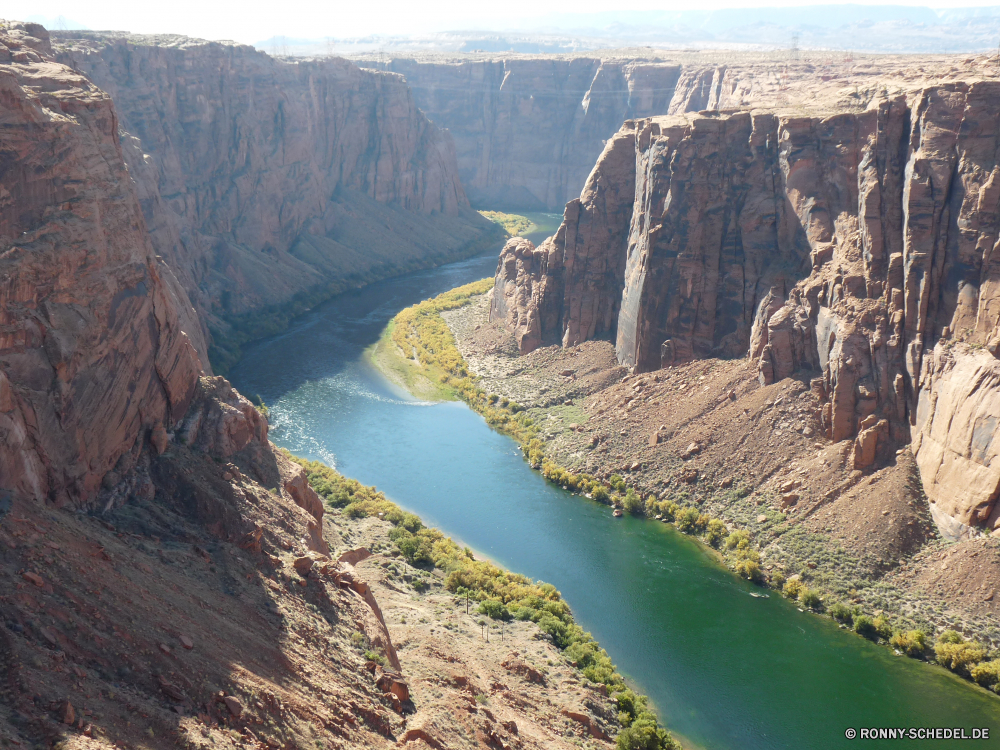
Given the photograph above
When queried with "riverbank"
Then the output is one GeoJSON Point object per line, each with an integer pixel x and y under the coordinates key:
{"type": "Point", "coordinates": [418, 350]}
{"type": "Point", "coordinates": [582, 426]}
{"type": "Point", "coordinates": [860, 546]}
{"type": "Point", "coordinates": [231, 333]}
{"type": "Point", "coordinates": [486, 601]}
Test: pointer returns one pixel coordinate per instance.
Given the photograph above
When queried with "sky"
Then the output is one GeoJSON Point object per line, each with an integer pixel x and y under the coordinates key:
{"type": "Point", "coordinates": [252, 21]}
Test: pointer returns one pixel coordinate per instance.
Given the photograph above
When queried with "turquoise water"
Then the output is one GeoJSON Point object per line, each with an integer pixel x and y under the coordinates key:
{"type": "Point", "coordinates": [724, 669]}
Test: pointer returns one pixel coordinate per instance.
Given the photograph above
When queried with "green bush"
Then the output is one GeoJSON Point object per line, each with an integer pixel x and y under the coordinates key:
{"type": "Point", "coordinates": [494, 609]}
{"type": "Point", "coordinates": [793, 587]}
{"type": "Point", "coordinates": [872, 629]}
{"type": "Point", "coordinates": [739, 539]}
{"type": "Point", "coordinates": [600, 494]}
{"type": "Point", "coordinates": [617, 483]}
{"type": "Point", "coordinates": [842, 613]}
{"type": "Point", "coordinates": [633, 503]}
{"type": "Point", "coordinates": [750, 569]}
{"type": "Point", "coordinates": [987, 674]}
{"type": "Point", "coordinates": [715, 532]}
{"type": "Point", "coordinates": [910, 642]}
{"type": "Point", "coordinates": [958, 654]}
{"type": "Point", "coordinates": [375, 657]}
{"type": "Point", "coordinates": [687, 520]}
{"type": "Point", "coordinates": [810, 599]}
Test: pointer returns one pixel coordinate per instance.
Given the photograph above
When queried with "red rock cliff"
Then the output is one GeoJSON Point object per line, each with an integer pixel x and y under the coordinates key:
{"type": "Point", "coordinates": [93, 356]}
{"type": "Point", "coordinates": [527, 129]}
{"type": "Point", "coordinates": [857, 246]}
{"type": "Point", "coordinates": [263, 179]}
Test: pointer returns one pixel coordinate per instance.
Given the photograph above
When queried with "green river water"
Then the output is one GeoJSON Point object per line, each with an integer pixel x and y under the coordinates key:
{"type": "Point", "coordinates": [724, 669]}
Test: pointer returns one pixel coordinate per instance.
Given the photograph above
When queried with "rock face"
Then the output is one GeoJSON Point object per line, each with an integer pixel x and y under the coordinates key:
{"type": "Point", "coordinates": [264, 181]}
{"type": "Point", "coordinates": [527, 130]}
{"type": "Point", "coordinates": [93, 357]}
{"type": "Point", "coordinates": [854, 245]}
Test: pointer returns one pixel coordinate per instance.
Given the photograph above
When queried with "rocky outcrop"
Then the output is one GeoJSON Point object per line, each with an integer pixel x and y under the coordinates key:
{"type": "Point", "coordinates": [527, 130]}
{"type": "Point", "coordinates": [264, 182]}
{"type": "Point", "coordinates": [856, 246]}
{"type": "Point", "coordinates": [569, 289]}
{"type": "Point", "coordinates": [93, 355]}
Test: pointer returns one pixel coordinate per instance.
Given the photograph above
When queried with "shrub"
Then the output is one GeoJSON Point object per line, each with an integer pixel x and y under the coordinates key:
{"type": "Point", "coordinates": [810, 598]}
{"type": "Point", "coordinates": [600, 494]}
{"type": "Point", "coordinates": [687, 520]}
{"type": "Point", "coordinates": [871, 629]}
{"type": "Point", "coordinates": [633, 503]}
{"type": "Point", "coordinates": [911, 642]}
{"type": "Point", "coordinates": [956, 653]}
{"type": "Point", "coordinates": [494, 609]}
{"type": "Point", "coordinates": [987, 673]}
{"type": "Point", "coordinates": [842, 613]}
{"type": "Point", "coordinates": [377, 658]}
{"type": "Point", "coordinates": [777, 579]}
{"type": "Point", "coordinates": [617, 483]}
{"type": "Point", "coordinates": [750, 569]}
{"type": "Point", "coordinates": [793, 587]}
{"type": "Point", "coordinates": [669, 509]}
{"type": "Point", "coordinates": [715, 532]}
{"type": "Point", "coordinates": [882, 627]}
{"type": "Point", "coordinates": [739, 539]}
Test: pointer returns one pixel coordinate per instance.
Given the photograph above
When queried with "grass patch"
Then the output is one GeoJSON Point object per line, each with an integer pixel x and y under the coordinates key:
{"type": "Point", "coordinates": [514, 224]}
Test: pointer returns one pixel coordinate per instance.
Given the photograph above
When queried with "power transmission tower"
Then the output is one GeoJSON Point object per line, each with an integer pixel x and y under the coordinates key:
{"type": "Point", "coordinates": [795, 47]}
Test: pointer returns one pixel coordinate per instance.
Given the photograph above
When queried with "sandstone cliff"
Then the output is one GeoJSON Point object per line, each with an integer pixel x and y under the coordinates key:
{"type": "Point", "coordinates": [93, 355]}
{"type": "Point", "coordinates": [853, 244]}
{"type": "Point", "coordinates": [265, 182]}
{"type": "Point", "coordinates": [528, 128]}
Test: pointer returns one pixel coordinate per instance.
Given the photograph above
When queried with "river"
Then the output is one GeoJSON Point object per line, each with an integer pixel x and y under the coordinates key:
{"type": "Point", "coordinates": [725, 670]}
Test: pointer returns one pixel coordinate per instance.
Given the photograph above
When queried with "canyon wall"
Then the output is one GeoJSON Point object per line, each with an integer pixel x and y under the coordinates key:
{"type": "Point", "coordinates": [528, 129]}
{"type": "Point", "coordinates": [198, 184]}
{"type": "Point", "coordinates": [854, 247]}
{"type": "Point", "coordinates": [94, 357]}
{"type": "Point", "coordinates": [264, 181]}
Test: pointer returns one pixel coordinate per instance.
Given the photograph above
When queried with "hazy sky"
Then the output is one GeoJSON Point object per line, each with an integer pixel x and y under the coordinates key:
{"type": "Point", "coordinates": [254, 20]}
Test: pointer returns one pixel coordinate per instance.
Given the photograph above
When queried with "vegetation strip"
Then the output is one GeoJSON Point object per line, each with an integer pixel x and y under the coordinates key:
{"type": "Point", "coordinates": [514, 224]}
{"type": "Point", "coordinates": [501, 595]}
{"type": "Point", "coordinates": [423, 335]}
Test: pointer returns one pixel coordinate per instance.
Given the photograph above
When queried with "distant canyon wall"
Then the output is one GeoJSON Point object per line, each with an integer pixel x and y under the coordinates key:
{"type": "Point", "coordinates": [858, 247]}
{"type": "Point", "coordinates": [261, 180]}
{"type": "Point", "coordinates": [527, 130]}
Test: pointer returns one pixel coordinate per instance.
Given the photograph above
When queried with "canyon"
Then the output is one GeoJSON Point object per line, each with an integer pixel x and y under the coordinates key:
{"type": "Point", "coordinates": [268, 185]}
{"type": "Point", "coordinates": [168, 575]}
{"type": "Point", "coordinates": [810, 232]}
{"type": "Point", "coordinates": [528, 129]}
{"type": "Point", "coordinates": [850, 236]}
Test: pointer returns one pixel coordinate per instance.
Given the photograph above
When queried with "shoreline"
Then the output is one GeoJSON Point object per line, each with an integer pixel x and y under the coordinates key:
{"type": "Point", "coordinates": [469, 319]}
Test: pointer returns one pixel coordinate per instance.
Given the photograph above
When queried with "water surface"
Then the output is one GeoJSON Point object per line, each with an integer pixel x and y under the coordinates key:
{"type": "Point", "coordinates": [725, 669]}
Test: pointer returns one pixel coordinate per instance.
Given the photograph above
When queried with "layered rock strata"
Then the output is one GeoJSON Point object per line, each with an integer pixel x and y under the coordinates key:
{"type": "Point", "coordinates": [93, 356]}
{"type": "Point", "coordinates": [528, 128]}
{"type": "Point", "coordinates": [855, 246]}
{"type": "Point", "coordinates": [262, 181]}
